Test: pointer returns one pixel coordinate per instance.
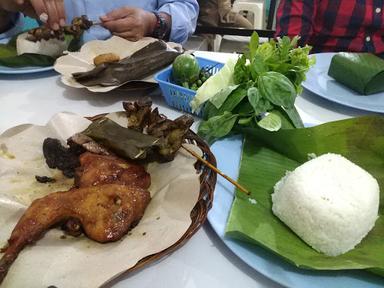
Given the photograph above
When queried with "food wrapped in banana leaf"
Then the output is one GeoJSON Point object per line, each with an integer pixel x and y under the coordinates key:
{"type": "Point", "coordinates": [362, 72]}
{"type": "Point", "coordinates": [125, 142]}
{"type": "Point", "coordinates": [149, 136]}
{"type": "Point", "coordinates": [139, 65]}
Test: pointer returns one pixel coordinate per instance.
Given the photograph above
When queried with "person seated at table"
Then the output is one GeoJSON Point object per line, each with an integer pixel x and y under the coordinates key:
{"type": "Point", "coordinates": [220, 13]}
{"type": "Point", "coordinates": [172, 20]}
{"type": "Point", "coordinates": [333, 25]}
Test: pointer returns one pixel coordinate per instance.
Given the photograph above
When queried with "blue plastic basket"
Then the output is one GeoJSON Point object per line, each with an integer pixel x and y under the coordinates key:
{"type": "Point", "coordinates": [178, 96]}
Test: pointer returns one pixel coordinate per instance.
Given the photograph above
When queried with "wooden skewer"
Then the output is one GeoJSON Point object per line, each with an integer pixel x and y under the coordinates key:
{"type": "Point", "coordinates": [96, 22]}
{"type": "Point", "coordinates": [194, 154]}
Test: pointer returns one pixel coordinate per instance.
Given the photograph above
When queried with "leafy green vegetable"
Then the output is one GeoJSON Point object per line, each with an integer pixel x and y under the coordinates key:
{"type": "Point", "coordinates": [233, 99]}
{"type": "Point", "coordinates": [218, 126]}
{"type": "Point", "coordinates": [271, 122]}
{"type": "Point", "coordinates": [242, 71]}
{"type": "Point", "coordinates": [222, 95]}
{"type": "Point", "coordinates": [258, 66]}
{"type": "Point", "coordinates": [277, 88]}
{"type": "Point", "coordinates": [253, 45]}
{"type": "Point", "coordinates": [254, 97]}
{"type": "Point", "coordinates": [294, 116]}
{"type": "Point", "coordinates": [266, 158]}
{"type": "Point", "coordinates": [267, 78]}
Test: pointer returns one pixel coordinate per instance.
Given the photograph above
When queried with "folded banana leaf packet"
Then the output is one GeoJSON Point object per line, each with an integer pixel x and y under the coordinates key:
{"type": "Point", "coordinates": [361, 72]}
{"type": "Point", "coordinates": [139, 65]}
{"type": "Point", "coordinates": [127, 143]}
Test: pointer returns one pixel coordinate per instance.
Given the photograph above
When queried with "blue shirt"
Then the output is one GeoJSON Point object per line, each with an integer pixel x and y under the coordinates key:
{"type": "Point", "coordinates": [183, 12]}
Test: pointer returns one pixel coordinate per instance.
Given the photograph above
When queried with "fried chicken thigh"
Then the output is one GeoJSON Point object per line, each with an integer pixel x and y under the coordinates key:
{"type": "Point", "coordinates": [109, 198]}
{"type": "Point", "coordinates": [102, 169]}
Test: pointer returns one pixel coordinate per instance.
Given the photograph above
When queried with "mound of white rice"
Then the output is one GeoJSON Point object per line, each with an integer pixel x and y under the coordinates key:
{"type": "Point", "coordinates": [329, 202]}
{"type": "Point", "coordinates": [51, 47]}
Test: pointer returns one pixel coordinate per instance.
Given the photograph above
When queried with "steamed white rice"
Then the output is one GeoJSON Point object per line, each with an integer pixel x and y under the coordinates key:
{"type": "Point", "coordinates": [329, 202]}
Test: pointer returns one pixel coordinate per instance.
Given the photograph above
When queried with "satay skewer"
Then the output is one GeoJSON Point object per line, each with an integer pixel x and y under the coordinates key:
{"type": "Point", "coordinates": [205, 162]}
{"type": "Point", "coordinates": [77, 27]}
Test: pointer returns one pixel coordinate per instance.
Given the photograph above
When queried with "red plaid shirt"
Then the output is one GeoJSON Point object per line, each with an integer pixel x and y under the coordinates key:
{"type": "Point", "coordinates": [334, 25]}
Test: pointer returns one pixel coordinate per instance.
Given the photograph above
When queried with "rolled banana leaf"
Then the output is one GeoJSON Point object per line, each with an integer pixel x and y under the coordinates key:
{"type": "Point", "coordinates": [361, 72]}
{"type": "Point", "coordinates": [139, 65]}
{"type": "Point", "coordinates": [268, 155]}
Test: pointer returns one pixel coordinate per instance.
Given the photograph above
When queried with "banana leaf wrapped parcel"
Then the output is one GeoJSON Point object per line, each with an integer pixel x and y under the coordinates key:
{"type": "Point", "coordinates": [361, 72]}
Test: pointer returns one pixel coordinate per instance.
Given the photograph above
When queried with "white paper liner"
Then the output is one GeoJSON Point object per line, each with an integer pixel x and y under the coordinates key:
{"type": "Point", "coordinates": [82, 61]}
{"type": "Point", "coordinates": [80, 262]}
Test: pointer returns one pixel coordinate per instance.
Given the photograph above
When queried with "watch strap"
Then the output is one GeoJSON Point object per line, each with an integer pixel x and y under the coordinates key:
{"type": "Point", "coordinates": [161, 28]}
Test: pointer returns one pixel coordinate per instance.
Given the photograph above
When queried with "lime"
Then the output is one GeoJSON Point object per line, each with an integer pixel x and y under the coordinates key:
{"type": "Point", "coordinates": [185, 68]}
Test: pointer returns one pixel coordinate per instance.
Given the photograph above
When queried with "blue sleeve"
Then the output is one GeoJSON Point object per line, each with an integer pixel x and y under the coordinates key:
{"type": "Point", "coordinates": [17, 27]}
{"type": "Point", "coordinates": [184, 17]}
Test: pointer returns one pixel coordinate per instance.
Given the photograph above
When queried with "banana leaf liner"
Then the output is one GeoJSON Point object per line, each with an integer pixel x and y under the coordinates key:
{"type": "Point", "coordinates": [267, 156]}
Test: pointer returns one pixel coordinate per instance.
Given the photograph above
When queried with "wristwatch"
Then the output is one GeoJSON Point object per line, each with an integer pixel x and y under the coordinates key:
{"type": "Point", "coordinates": [161, 28]}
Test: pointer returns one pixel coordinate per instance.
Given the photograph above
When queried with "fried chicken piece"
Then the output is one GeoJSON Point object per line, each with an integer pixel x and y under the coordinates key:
{"type": "Point", "coordinates": [106, 213]}
{"type": "Point", "coordinates": [99, 169]}
{"type": "Point", "coordinates": [102, 169]}
{"type": "Point", "coordinates": [110, 198]}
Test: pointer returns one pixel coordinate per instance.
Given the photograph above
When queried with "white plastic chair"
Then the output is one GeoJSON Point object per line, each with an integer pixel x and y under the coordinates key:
{"type": "Point", "coordinates": [255, 7]}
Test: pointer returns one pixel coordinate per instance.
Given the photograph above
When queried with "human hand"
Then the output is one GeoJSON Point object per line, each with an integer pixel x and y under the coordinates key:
{"type": "Point", "coordinates": [130, 23]}
{"type": "Point", "coordinates": [54, 9]}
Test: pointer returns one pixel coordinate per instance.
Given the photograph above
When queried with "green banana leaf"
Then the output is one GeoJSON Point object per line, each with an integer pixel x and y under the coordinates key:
{"type": "Point", "coordinates": [26, 60]}
{"type": "Point", "coordinates": [9, 57]}
{"type": "Point", "coordinates": [266, 158]}
{"type": "Point", "coordinates": [362, 72]}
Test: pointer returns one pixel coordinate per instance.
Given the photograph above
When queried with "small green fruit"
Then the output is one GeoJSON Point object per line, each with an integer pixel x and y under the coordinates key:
{"type": "Point", "coordinates": [185, 68]}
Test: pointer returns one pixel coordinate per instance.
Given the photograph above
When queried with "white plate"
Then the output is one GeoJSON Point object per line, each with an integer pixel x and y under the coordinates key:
{"type": "Point", "coordinates": [228, 154]}
{"type": "Point", "coordinates": [22, 70]}
{"type": "Point", "coordinates": [326, 87]}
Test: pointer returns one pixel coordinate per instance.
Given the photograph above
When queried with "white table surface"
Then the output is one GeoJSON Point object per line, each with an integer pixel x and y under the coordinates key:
{"type": "Point", "coordinates": [204, 261]}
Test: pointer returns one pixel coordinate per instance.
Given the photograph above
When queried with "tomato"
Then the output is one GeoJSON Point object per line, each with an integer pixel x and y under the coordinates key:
{"type": "Point", "coordinates": [185, 68]}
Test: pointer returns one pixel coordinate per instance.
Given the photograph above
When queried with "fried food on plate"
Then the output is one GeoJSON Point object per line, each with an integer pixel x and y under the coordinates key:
{"type": "Point", "coordinates": [106, 58]}
{"type": "Point", "coordinates": [110, 198]}
{"type": "Point", "coordinates": [101, 169]}
{"type": "Point", "coordinates": [106, 213]}
{"type": "Point", "coordinates": [45, 41]}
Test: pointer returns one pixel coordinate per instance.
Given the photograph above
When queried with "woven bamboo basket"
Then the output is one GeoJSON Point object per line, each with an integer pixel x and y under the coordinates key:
{"type": "Point", "coordinates": [199, 212]}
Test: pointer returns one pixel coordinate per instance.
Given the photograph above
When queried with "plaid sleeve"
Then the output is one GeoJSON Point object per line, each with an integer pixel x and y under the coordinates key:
{"type": "Point", "coordinates": [296, 17]}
